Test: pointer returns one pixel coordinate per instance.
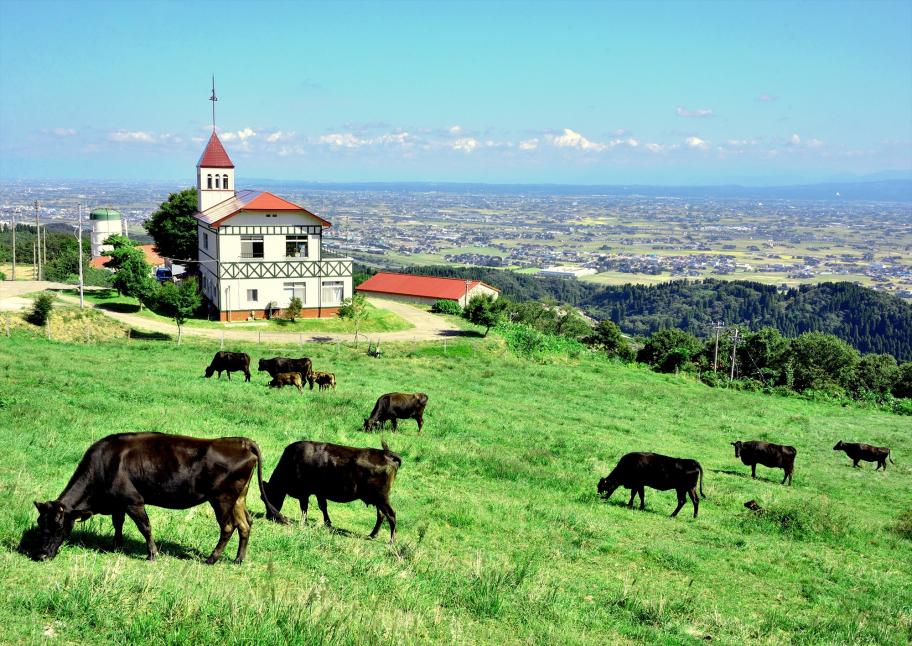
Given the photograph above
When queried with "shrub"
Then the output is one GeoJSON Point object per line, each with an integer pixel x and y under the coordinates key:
{"type": "Point", "coordinates": [875, 373]}
{"type": "Point", "coordinates": [903, 385]}
{"type": "Point", "coordinates": [484, 309]}
{"type": "Point", "coordinates": [607, 337]}
{"type": "Point", "coordinates": [293, 309]}
{"type": "Point", "coordinates": [447, 307]}
{"type": "Point", "coordinates": [528, 342]}
{"type": "Point", "coordinates": [41, 309]}
{"type": "Point", "coordinates": [669, 350]}
{"type": "Point", "coordinates": [821, 362]}
{"type": "Point", "coordinates": [2, 276]}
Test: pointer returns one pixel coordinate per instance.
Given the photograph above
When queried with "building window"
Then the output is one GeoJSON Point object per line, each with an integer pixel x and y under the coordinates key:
{"type": "Point", "coordinates": [205, 241]}
{"type": "Point", "coordinates": [295, 246]}
{"type": "Point", "coordinates": [209, 180]}
{"type": "Point", "coordinates": [252, 296]}
{"type": "Point", "coordinates": [217, 182]}
{"type": "Point", "coordinates": [224, 181]}
{"type": "Point", "coordinates": [295, 289]}
{"type": "Point", "coordinates": [251, 246]}
{"type": "Point", "coordinates": [333, 292]}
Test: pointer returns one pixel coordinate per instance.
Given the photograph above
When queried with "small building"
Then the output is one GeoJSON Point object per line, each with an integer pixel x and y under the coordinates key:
{"type": "Point", "coordinates": [426, 290]}
{"type": "Point", "coordinates": [566, 272]}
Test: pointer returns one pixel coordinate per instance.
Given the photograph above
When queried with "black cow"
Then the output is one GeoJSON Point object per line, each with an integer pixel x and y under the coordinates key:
{"type": "Point", "coordinates": [337, 473]}
{"type": "Point", "coordinates": [284, 364]}
{"type": "Point", "coordinates": [396, 406]}
{"type": "Point", "coordinates": [866, 452]}
{"type": "Point", "coordinates": [635, 471]}
{"type": "Point", "coordinates": [775, 456]}
{"type": "Point", "coordinates": [120, 474]}
{"type": "Point", "coordinates": [229, 362]}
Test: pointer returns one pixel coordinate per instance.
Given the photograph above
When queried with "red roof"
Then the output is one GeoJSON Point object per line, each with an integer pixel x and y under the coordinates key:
{"type": "Point", "coordinates": [214, 156]}
{"type": "Point", "coordinates": [423, 286]}
{"type": "Point", "coordinates": [149, 250]}
{"type": "Point", "coordinates": [248, 200]}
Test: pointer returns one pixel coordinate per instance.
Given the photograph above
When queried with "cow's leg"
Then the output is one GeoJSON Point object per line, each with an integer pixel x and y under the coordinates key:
{"type": "Point", "coordinates": [246, 375]}
{"type": "Point", "coordinates": [696, 501]}
{"type": "Point", "coordinates": [322, 502]}
{"type": "Point", "coordinates": [117, 518]}
{"type": "Point", "coordinates": [642, 493]}
{"type": "Point", "coordinates": [682, 498]}
{"type": "Point", "coordinates": [633, 493]}
{"type": "Point", "coordinates": [242, 522]}
{"type": "Point", "coordinates": [390, 517]}
{"type": "Point", "coordinates": [420, 419]}
{"type": "Point", "coordinates": [137, 514]}
{"type": "Point", "coordinates": [855, 464]}
{"type": "Point", "coordinates": [376, 529]}
{"type": "Point", "coordinates": [786, 476]}
{"type": "Point", "coordinates": [228, 372]}
{"type": "Point", "coordinates": [304, 502]}
{"type": "Point", "coordinates": [224, 514]}
{"type": "Point", "coordinates": [754, 471]}
{"type": "Point", "coordinates": [395, 424]}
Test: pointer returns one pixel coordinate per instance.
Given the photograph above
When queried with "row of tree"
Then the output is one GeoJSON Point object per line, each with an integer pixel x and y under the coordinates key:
{"type": "Point", "coordinates": [61, 263]}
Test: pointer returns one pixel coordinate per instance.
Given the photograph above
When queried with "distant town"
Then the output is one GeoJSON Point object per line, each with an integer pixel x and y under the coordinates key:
{"type": "Point", "coordinates": [606, 239]}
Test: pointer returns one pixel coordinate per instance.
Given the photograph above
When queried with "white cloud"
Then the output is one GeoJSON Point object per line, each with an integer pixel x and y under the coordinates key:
{"type": "Point", "coordinates": [766, 98]}
{"type": "Point", "coordinates": [455, 130]}
{"type": "Point", "coordinates": [466, 144]}
{"type": "Point", "coordinates": [698, 113]}
{"type": "Point", "coordinates": [242, 135]}
{"type": "Point", "coordinates": [278, 135]}
{"type": "Point", "coordinates": [572, 139]}
{"type": "Point", "coordinates": [814, 143]}
{"type": "Point", "coordinates": [528, 144]}
{"type": "Point", "coordinates": [349, 140]}
{"type": "Point", "coordinates": [695, 142]}
{"type": "Point", "coordinates": [794, 140]}
{"type": "Point", "coordinates": [64, 132]}
{"type": "Point", "coordinates": [123, 135]}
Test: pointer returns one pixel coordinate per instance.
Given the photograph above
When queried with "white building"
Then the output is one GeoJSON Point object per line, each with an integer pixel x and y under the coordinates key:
{"type": "Point", "coordinates": [105, 223]}
{"type": "Point", "coordinates": [257, 251]}
{"type": "Point", "coordinates": [566, 272]}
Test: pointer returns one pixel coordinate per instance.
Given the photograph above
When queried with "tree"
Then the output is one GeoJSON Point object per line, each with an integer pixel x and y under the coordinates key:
{"type": "Point", "coordinates": [875, 373]}
{"type": "Point", "coordinates": [293, 310]}
{"type": "Point", "coordinates": [179, 301]}
{"type": "Point", "coordinates": [41, 309]}
{"type": "Point", "coordinates": [354, 309]}
{"type": "Point", "coordinates": [607, 337]}
{"type": "Point", "coordinates": [821, 361]}
{"type": "Point", "coordinates": [569, 323]}
{"type": "Point", "coordinates": [132, 274]}
{"type": "Point", "coordinates": [173, 226]}
{"type": "Point", "coordinates": [903, 385]}
{"type": "Point", "coordinates": [669, 350]}
{"type": "Point", "coordinates": [762, 355]}
{"type": "Point", "coordinates": [484, 309]}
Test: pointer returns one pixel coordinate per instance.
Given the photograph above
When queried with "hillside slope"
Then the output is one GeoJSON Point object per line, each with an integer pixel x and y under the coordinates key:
{"type": "Point", "coordinates": [502, 538]}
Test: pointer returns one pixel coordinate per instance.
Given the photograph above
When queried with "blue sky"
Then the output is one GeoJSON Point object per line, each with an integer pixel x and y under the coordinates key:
{"type": "Point", "coordinates": [596, 93]}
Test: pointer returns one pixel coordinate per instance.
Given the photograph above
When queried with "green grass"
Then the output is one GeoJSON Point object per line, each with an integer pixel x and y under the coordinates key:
{"type": "Point", "coordinates": [378, 320]}
{"type": "Point", "coordinates": [502, 538]}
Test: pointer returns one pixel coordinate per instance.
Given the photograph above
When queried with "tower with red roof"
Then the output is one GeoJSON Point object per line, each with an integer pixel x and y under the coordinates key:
{"type": "Point", "coordinates": [257, 250]}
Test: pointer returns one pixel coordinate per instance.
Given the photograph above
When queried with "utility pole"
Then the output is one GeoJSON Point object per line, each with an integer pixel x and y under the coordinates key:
{"type": "Point", "coordinates": [734, 353]}
{"type": "Point", "coordinates": [79, 237]}
{"type": "Point", "coordinates": [38, 229]}
{"type": "Point", "coordinates": [718, 326]}
{"type": "Point", "coordinates": [15, 213]}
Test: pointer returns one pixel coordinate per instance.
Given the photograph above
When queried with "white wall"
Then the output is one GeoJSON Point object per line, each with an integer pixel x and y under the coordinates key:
{"type": "Point", "coordinates": [207, 197]}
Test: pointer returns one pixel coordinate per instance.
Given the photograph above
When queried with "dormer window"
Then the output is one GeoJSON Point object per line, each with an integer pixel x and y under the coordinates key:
{"type": "Point", "coordinates": [224, 181]}
{"type": "Point", "coordinates": [209, 180]}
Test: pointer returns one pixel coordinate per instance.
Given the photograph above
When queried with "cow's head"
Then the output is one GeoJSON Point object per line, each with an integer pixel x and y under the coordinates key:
{"type": "Point", "coordinates": [606, 487]}
{"type": "Point", "coordinates": [209, 370]}
{"type": "Point", "coordinates": [261, 366]}
{"type": "Point", "coordinates": [737, 446]}
{"type": "Point", "coordinates": [55, 522]}
{"type": "Point", "coordinates": [369, 424]}
{"type": "Point", "coordinates": [838, 446]}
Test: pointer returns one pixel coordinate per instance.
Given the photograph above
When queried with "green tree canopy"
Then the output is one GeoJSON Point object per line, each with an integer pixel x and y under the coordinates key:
{"type": "Point", "coordinates": [484, 309]}
{"type": "Point", "coordinates": [607, 337]}
{"type": "Point", "coordinates": [903, 385]}
{"type": "Point", "coordinates": [173, 226]}
{"type": "Point", "coordinates": [179, 301]}
{"type": "Point", "coordinates": [669, 350]}
{"type": "Point", "coordinates": [132, 274]}
{"type": "Point", "coordinates": [875, 373]}
{"type": "Point", "coordinates": [821, 361]}
{"type": "Point", "coordinates": [354, 309]}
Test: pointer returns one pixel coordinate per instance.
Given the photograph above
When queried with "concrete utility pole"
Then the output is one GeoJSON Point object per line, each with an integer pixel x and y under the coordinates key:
{"type": "Point", "coordinates": [38, 229]}
{"type": "Point", "coordinates": [79, 237]}
{"type": "Point", "coordinates": [734, 353]}
{"type": "Point", "coordinates": [718, 326]}
{"type": "Point", "coordinates": [15, 212]}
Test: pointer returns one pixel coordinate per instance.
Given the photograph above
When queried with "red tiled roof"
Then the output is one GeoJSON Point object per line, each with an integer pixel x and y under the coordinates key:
{"type": "Point", "coordinates": [214, 156]}
{"type": "Point", "coordinates": [251, 201]}
{"type": "Point", "coordinates": [423, 286]}
{"type": "Point", "coordinates": [148, 250]}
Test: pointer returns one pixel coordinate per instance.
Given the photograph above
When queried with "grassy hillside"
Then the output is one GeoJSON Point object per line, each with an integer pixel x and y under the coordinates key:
{"type": "Point", "coordinates": [502, 538]}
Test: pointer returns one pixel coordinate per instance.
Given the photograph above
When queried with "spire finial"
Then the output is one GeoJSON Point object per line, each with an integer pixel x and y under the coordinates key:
{"type": "Point", "coordinates": [213, 98]}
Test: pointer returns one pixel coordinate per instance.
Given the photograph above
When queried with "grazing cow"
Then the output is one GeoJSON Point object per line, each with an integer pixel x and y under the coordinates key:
{"type": "Point", "coordinates": [337, 473]}
{"type": "Point", "coordinates": [866, 452]}
{"type": "Point", "coordinates": [120, 474]}
{"type": "Point", "coordinates": [229, 362]}
{"type": "Point", "coordinates": [283, 364]}
{"type": "Point", "coordinates": [323, 379]}
{"type": "Point", "coordinates": [635, 471]}
{"type": "Point", "coordinates": [396, 406]}
{"type": "Point", "coordinates": [288, 379]}
{"type": "Point", "coordinates": [775, 456]}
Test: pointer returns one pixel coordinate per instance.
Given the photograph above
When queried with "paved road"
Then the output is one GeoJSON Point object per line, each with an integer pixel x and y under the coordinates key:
{"type": "Point", "coordinates": [428, 327]}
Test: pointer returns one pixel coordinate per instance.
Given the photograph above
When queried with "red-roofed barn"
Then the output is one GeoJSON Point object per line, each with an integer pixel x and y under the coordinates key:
{"type": "Point", "coordinates": [424, 289]}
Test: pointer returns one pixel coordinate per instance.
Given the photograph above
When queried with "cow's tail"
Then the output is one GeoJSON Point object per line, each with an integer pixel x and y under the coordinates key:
{"type": "Point", "coordinates": [701, 480]}
{"type": "Point", "coordinates": [275, 513]}
{"type": "Point", "coordinates": [890, 457]}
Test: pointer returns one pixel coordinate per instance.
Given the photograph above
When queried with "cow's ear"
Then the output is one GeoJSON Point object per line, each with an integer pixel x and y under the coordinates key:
{"type": "Point", "coordinates": [42, 506]}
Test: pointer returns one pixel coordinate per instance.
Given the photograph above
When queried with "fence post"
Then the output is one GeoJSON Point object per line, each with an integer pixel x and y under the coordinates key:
{"type": "Point", "coordinates": [259, 337]}
{"type": "Point", "coordinates": [222, 347]}
{"type": "Point", "coordinates": [300, 339]}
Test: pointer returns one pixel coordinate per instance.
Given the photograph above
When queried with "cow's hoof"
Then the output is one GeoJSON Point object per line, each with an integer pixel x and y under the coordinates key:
{"type": "Point", "coordinates": [238, 561]}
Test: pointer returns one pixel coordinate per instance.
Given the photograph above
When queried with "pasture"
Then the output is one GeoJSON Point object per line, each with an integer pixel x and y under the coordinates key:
{"type": "Point", "coordinates": [501, 536]}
